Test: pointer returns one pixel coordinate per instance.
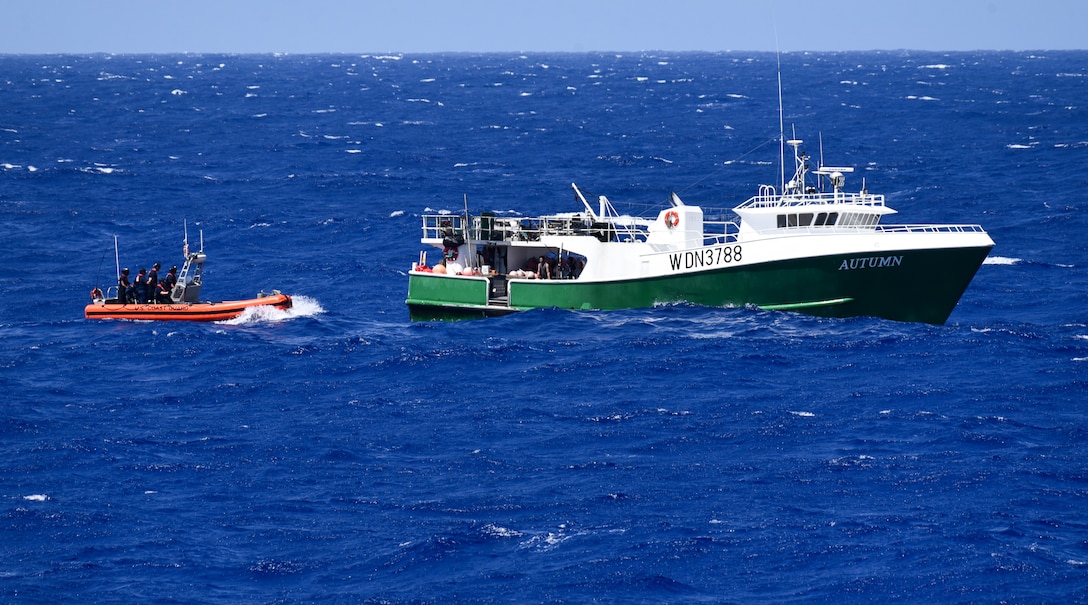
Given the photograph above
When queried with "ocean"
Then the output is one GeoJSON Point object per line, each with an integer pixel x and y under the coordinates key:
{"type": "Point", "coordinates": [341, 453]}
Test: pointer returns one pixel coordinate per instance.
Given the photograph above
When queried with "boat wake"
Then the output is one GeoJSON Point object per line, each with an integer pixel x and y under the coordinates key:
{"type": "Point", "coordinates": [301, 306]}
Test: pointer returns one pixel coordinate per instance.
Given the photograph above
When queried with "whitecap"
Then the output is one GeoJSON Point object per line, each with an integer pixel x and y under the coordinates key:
{"type": "Point", "coordinates": [1020, 146]}
{"type": "Point", "coordinates": [500, 532]}
{"type": "Point", "coordinates": [804, 414]}
{"type": "Point", "coordinates": [177, 92]}
{"type": "Point", "coordinates": [1000, 260]}
{"type": "Point", "coordinates": [396, 213]}
{"type": "Point", "coordinates": [36, 497]}
{"type": "Point", "coordinates": [301, 306]}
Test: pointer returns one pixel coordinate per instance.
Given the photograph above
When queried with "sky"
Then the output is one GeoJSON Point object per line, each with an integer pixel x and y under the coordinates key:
{"type": "Point", "coordinates": [428, 26]}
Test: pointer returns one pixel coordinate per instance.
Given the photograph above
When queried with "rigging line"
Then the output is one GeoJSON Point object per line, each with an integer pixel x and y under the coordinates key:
{"type": "Point", "coordinates": [726, 163]}
{"type": "Point", "coordinates": [98, 277]}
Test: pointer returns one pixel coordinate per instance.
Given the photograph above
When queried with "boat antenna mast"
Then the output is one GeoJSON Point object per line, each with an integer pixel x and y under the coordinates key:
{"type": "Point", "coordinates": [781, 117]}
{"type": "Point", "coordinates": [468, 236]}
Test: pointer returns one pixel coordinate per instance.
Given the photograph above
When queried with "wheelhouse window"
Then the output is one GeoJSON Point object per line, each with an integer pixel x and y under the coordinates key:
{"type": "Point", "coordinates": [807, 219]}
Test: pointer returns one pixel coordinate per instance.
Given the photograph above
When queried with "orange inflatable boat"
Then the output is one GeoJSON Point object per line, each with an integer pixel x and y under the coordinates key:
{"type": "Point", "coordinates": [182, 302]}
{"type": "Point", "coordinates": [185, 311]}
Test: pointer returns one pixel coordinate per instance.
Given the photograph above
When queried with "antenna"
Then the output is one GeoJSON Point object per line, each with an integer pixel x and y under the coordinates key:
{"type": "Point", "coordinates": [781, 119]}
{"type": "Point", "coordinates": [470, 257]}
{"type": "Point", "coordinates": [116, 256]}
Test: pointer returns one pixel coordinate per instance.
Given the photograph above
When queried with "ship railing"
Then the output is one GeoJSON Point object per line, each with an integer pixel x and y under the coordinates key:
{"type": "Point", "coordinates": [930, 228]}
{"type": "Point", "coordinates": [491, 229]}
{"type": "Point", "coordinates": [841, 229]}
{"type": "Point", "coordinates": [437, 226]}
{"type": "Point", "coordinates": [720, 232]}
{"type": "Point", "coordinates": [768, 199]}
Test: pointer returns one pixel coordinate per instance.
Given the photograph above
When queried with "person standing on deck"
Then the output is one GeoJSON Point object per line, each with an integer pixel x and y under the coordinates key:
{"type": "Point", "coordinates": [124, 288]}
{"type": "Point", "coordinates": [141, 286]}
{"type": "Point", "coordinates": [543, 269]}
{"type": "Point", "coordinates": [153, 283]}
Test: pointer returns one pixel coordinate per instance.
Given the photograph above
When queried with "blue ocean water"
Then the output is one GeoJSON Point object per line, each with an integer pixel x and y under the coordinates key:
{"type": "Point", "coordinates": [340, 453]}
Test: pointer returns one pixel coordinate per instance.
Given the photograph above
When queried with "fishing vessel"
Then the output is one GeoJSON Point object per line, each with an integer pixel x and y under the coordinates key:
{"type": "Point", "coordinates": [182, 302]}
{"type": "Point", "coordinates": [808, 246]}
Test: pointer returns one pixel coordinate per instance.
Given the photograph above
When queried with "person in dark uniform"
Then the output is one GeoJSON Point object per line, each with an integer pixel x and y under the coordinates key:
{"type": "Point", "coordinates": [166, 285]}
{"type": "Point", "coordinates": [141, 286]}
{"type": "Point", "coordinates": [124, 287]}
{"type": "Point", "coordinates": [153, 283]}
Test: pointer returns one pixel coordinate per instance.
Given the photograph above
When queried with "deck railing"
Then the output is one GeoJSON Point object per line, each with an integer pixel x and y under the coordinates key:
{"type": "Point", "coordinates": [768, 199]}
{"type": "Point", "coordinates": [437, 227]}
{"type": "Point", "coordinates": [483, 229]}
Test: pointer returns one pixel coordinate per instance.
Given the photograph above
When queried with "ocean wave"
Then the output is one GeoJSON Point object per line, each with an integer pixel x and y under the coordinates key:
{"type": "Point", "coordinates": [301, 306]}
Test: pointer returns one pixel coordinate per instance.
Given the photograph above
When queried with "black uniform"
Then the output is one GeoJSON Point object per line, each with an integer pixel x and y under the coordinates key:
{"type": "Point", "coordinates": [166, 285]}
{"type": "Point", "coordinates": [141, 286]}
{"type": "Point", "coordinates": [153, 283]}
{"type": "Point", "coordinates": [123, 287]}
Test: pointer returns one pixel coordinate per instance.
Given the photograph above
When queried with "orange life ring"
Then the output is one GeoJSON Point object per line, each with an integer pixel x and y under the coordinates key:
{"type": "Point", "coordinates": [96, 293]}
{"type": "Point", "coordinates": [672, 219]}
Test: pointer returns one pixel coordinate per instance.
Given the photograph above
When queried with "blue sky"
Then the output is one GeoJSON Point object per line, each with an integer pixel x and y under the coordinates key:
{"type": "Point", "coordinates": [414, 26]}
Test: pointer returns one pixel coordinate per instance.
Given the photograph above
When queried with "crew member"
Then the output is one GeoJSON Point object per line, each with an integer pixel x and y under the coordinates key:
{"type": "Point", "coordinates": [124, 287]}
{"type": "Point", "coordinates": [543, 269]}
{"type": "Point", "coordinates": [166, 285]}
{"type": "Point", "coordinates": [141, 286]}
{"type": "Point", "coordinates": [153, 283]}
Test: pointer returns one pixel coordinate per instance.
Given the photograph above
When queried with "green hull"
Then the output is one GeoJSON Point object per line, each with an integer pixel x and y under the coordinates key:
{"type": "Point", "coordinates": [909, 285]}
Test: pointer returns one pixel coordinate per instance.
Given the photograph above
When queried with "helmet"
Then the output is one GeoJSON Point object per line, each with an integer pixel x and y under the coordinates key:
{"type": "Point", "coordinates": [125, 270]}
